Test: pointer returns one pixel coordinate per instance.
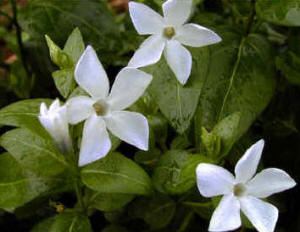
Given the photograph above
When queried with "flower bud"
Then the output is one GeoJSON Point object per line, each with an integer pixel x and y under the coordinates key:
{"type": "Point", "coordinates": [54, 120]}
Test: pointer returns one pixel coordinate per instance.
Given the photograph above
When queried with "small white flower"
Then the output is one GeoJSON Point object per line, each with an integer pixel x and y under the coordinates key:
{"type": "Point", "coordinates": [103, 109]}
{"type": "Point", "coordinates": [55, 122]}
{"type": "Point", "coordinates": [167, 34]}
{"type": "Point", "coordinates": [244, 192]}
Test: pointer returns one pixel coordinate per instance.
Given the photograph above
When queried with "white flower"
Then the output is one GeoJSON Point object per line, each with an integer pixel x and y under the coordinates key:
{"type": "Point", "coordinates": [167, 34]}
{"type": "Point", "coordinates": [103, 109]}
{"type": "Point", "coordinates": [244, 192]}
{"type": "Point", "coordinates": [55, 122]}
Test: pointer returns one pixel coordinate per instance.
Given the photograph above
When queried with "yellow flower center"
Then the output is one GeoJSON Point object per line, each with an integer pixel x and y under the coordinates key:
{"type": "Point", "coordinates": [99, 109]}
{"type": "Point", "coordinates": [169, 32]}
{"type": "Point", "coordinates": [239, 190]}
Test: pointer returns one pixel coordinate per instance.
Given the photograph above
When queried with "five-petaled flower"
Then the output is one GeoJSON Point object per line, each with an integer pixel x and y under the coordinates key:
{"type": "Point", "coordinates": [244, 192]}
{"type": "Point", "coordinates": [103, 109]}
{"type": "Point", "coordinates": [167, 34]}
{"type": "Point", "coordinates": [55, 122]}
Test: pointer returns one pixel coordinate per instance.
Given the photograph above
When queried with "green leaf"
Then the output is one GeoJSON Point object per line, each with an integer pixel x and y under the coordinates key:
{"type": "Point", "coordinates": [281, 12]}
{"type": "Point", "coordinates": [157, 211]}
{"type": "Point", "coordinates": [58, 56]}
{"type": "Point", "coordinates": [116, 174]}
{"type": "Point", "coordinates": [241, 78]}
{"type": "Point", "coordinates": [64, 81]}
{"type": "Point", "coordinates": [75, 45]}
{"type": "Point", "coordinates": [17, 187]}
{"type": "Point", "coordinates": [66, 222]}
{"type": "Point", "coordinates": [107, 201]}
{"type": "Point", "coordinates": [114, 228]}
{"type": "Point", "coordinates": [33, 152]}
{"type": "Point", "coordinates": [289, 64]}
{"type": "Point", "coordinates": [211, 142]}
{"type": "Point", "coordinates": [24, 114]}
{"type": "Point", "coordinates": [176, 171]}
{"type": "Point", "coordinates": [203, 209]}
{"type": "Point", "coordinates": [178, 103]}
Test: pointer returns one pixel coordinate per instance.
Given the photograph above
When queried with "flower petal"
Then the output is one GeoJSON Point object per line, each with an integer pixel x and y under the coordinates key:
{"type": "Point", "coordinates": [90, 75]}
{"type": "Point", "coordinates": [179, 60]}
{"type": "Point", "coordinates": [145, 20]}
{"type": "Point", "coordinates": [130, 127]}
{"type": "Point", "coordinates": [247, 165]}
{"type": "Point", "coordinates": [227, 215]}
{"type": "Point", "coordinates": [213, 180]}
{"type": "Point", "coordinates": [129, 85]}
{"type": "Point", "coordinates": [196, 36]}
{"type": "Point", "coordinates": [268, 182]}
{"type": "Point", "coordinates": [148, 53]}
{"type": "Point", "coordinates": [79, 108]}
{"type": "Point", "coordinates": [261, 214]}
{"type": "Point", "coordinates": [177, 12]}
{"type": "Point", "coordinates": [95, 142]}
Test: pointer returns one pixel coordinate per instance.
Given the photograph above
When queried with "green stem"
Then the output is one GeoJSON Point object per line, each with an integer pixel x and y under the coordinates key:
{"type": "Point", "coordinates": [79, 194]}
{"type": "Point", "coordinates": [19, 36]}
{"type": "Point", "coordinates": [236, 65]}
{"type": "Point", "coordinates": [186, 222]}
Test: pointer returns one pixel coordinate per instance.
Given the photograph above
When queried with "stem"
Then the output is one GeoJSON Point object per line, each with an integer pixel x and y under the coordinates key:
{"type": "Point", "coordinates": [251, 17]}
{"type": "Point", "coordinates": [186, 222]}
{"type": "Point", "coordinates": [19, 36]}
{"type": "Point", "coordinates": [79, 194]}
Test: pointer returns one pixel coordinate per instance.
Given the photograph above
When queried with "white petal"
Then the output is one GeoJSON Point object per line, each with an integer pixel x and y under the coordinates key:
{"type": "Point", "coordinates": [130, 127]}
{"type": "Point", "coordinates": [196, 36]}
{"type": "Point", "coordinates": [145, 20]}
{"type": "Point", "coordinates": [213, 180]}
{"type": "Point", "coordinates": [129, 85]}
{"type": "Point", "coordinates": [179, 59]}
{"type": "Point", "coordinates": [90, 75]}
{"type": "Point", "coordinates": [149, 52]}
{"type": "Point", "coordinates": [261, 214]}
{"type": "Point", "coordinates": [43, 109]}
{"type": "Point", "coordinates": [55, 105]}
{"type": "Point", "coordinates": [95, 142]}
{"type": "Point", "coordinates": [247, 165]}
{"type": "Point", "coordinates": [268, 182]}
{"type": "Point", "coordinates": [227, 215]}
{"type": "Point", "coordinates": [177, 12]}
{"type": "Point", "coordinates": [79, 108]}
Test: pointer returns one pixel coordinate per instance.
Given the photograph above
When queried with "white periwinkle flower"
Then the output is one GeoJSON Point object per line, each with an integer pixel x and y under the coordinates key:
{"type": "Point", "coordinates": [243, 192]}
{"type": "Point", "coordinates": [55, 122]}
{"type": "Point", "coordinates": [168, 34]}
{"type": "Point", "coordinates": [105, 110]}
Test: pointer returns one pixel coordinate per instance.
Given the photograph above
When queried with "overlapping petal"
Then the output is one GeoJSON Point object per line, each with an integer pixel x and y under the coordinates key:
{"type": "Point", "coordinates": [95, 142]}
{"type": "Point", "coordinates": [130, 127]}
{"type": "Point", "coordinates": [145, 20]}
{"type": "Point", "coordinates": [90, 75]}
{"type": "Point", "coordinates": [129, 85]}
{"type": "Point", "coordinates": [261, 214]}
{"type": "Point", "coordinates": [149, 52]}
{"type": "Point", "coordinates": [227, 215]}
{"type": "Point", "coordinates": [177, 12]}
{"type": "Point", "coordinates": [179, 59]}
{"type": "Point", "coordinates": [270, 181]}
{"type": "Point", "coordinates": [196, 36]}
{"type": "Point", "coordinates": [213, 180]}
{"type": "Point", "coordinates": [79, 108]}
{"type": "Point", "coordinates": [247, 165]}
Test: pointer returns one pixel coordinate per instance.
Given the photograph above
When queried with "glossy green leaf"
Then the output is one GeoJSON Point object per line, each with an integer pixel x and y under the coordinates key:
{"type": "Point", "coordinates": [241, 78]}
{"type": "Point", "coordinates": [178, 103]}
{"type": "Point", "coordinates": [281, 12]}
{"type": "Point", "coordinates": [64, 81]}
{"type": "Point", "coordinates": [157, 211]}
{"type": "Point", "coordinates": [33, 152]}
{"type": "Point", "coordinates": [107, 201]}
{"type": "Point", "coordinates": [176, 171]}
{"type": "Point", "coordinates": [75, 45]}
{"type": "Point", "coordinates": [116, 174]}
{"type": "Point", "coordinates": [24, 114]}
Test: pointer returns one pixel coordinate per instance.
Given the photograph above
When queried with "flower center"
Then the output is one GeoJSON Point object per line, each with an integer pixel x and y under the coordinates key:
{"type": "Point", "coordinates": [239, 190]}
{"type": "Point", "coordinates": [100, 108]}
{"type": "Point", "coordinates": [169, 32]}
